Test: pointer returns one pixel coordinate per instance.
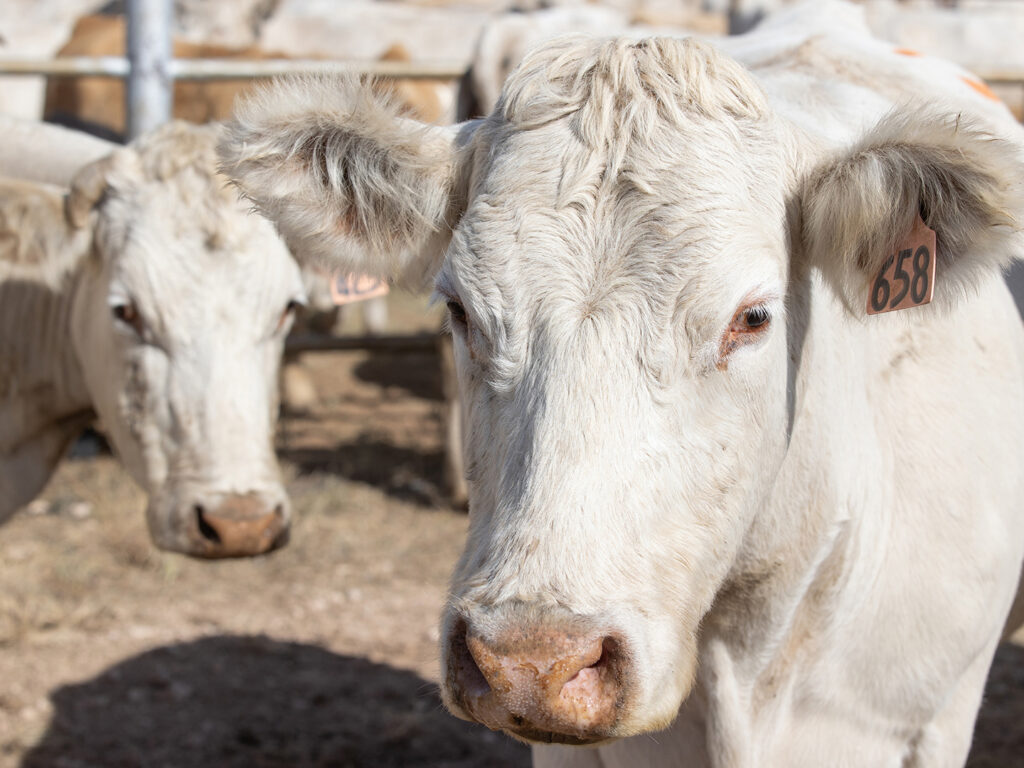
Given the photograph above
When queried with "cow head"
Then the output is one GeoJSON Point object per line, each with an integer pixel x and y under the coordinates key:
{"type": "Point", "coordinates": [179, 322]}
{"type": "Point", "coordinates": [616, 245]}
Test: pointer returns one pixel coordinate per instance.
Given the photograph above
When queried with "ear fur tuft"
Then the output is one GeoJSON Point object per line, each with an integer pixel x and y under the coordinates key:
{"type": "Point", "coordinates": [963, 181]}
{"type": "Point", "coordinates": [349, 183]}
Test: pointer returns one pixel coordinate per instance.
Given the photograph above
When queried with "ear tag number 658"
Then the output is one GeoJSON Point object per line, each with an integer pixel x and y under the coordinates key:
{"type": "Point", "coordinates": [907, 278]}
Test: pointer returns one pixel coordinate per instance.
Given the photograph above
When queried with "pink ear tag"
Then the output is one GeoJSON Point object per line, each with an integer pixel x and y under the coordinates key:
{"type": "Point", "coordinates": [348, 288]}
{"type": "Point", "coordinates": [907, 278]}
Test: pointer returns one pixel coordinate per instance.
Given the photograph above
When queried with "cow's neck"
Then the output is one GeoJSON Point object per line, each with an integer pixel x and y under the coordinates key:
{"type": "Point", "coordinates": [796, 566]}
{"type": "Point", "coordinates": [41, 382]}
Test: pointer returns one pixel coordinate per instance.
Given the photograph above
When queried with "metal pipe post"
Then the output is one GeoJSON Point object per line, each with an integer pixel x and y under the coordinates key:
{"type": "Point", "coordinates": [149, 92]}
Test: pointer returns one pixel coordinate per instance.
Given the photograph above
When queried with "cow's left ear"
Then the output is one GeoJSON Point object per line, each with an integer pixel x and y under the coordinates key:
{"type": "Point", "coordinates": [965, 183]}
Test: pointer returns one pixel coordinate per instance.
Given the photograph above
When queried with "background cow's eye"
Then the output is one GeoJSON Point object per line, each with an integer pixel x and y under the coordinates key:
{"type": "Point", "coordinates": [458, 314]}
{"type": "Point", "coordinates": [127, 314]}
{"type": "Point", "coordinates": [289, 312]}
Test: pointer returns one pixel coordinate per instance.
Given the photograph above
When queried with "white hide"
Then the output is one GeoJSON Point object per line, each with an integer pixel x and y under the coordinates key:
{"type": "Point", "coordinates": [171, 302]}
{"type": "Point", "coordinates": [363, 30]}
{"type": "Point", "coordinates": [806, 532]}
{"type": "Point", "coordinates": [505, 39]}
{"type": "Point", "coordinates": [44, 152]}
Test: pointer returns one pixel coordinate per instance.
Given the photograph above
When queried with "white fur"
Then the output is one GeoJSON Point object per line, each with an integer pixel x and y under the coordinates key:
{"type": "Point", "coordinates": [190, 402]}
{"type": "Point", "coordinates": [45, 152]}
{"type": "Point", "coordinates": [807, 543]}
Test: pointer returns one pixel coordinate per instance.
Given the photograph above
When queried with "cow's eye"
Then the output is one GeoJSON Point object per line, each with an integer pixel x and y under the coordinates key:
{"type": "Point", "coordinates": [457, 312]}
{"type": "Point", "coordinates": [748, 326]}
{"type": "Point", "coordinates": [289, 312]}
{"type": "Point", "coordinates": [127, 314]}
{"type": "Point", "coordinates": [755, 318]}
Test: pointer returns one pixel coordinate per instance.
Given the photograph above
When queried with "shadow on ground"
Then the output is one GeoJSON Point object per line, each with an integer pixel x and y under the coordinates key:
{"type": "Point", "coordinates": [417, 373]}
{"type": "Point", "coordinates": [252, 702]}
{"type": "Point", "coordinates": [403, 473]}
{"type": "Point", "coordinates": [998, 734]}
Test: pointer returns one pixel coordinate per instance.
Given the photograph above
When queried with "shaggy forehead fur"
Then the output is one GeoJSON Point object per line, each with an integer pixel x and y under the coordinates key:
{"type": "Point", "coordinates": [619, 89]}
{"type": "Point", "coordinates": [179, 161]}
{"type": "Point", "coordinates": [594, 183]}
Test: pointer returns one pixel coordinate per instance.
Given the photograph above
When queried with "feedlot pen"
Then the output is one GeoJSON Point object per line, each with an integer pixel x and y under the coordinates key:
{"type": "Point", "coordinates": [116, 655]}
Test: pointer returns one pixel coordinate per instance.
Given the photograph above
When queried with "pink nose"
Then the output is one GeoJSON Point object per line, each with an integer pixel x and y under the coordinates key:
{"type": "Point", "coordinates": [539, 683]}
{"type": "Point", "coordinates": [241, 525]}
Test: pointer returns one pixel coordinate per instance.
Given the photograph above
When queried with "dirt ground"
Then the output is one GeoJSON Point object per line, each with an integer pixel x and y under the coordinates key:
{"type": "Point", "coordinates": [115, 655]}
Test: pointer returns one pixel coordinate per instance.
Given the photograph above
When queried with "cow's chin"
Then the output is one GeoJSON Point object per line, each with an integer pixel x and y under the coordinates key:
{"type": "Point", "coordinates": [532, 735]}
{"type": "Point", "coordinates": [494, 718]}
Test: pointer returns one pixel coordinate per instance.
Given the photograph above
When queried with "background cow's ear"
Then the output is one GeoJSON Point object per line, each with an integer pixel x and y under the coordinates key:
{"type": "Point", "coordinates": [349, 183]}
{"type": "Point", "coordinates": [87, 188]}
{"type": "Point", "coordinates": [963, 181]}
{"type": "Point", "coordinates": [90, 185]}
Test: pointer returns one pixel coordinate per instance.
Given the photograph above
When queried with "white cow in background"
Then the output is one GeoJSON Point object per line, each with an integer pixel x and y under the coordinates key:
{"type": "Point", "coordinates": [708, 494]}
{"type": "Point", "coordinates": [506, 38]}
{"type": "Point", "coordinates": [150, 297]}
{"type": "Point", "coordinates": [34, 28]}
{"type": "Point", "coordinates": [48, 153]}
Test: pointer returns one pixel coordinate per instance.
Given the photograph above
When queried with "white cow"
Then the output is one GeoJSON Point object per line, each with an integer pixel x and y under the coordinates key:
{"type": "Point", "coordinates": [149, 296]}
{"type": "Point", "coordinates": [506, 38]}
{"type": "Point", "coordinates": [708, 493]}
{"type": "Point", "coordinates": [44, 152]}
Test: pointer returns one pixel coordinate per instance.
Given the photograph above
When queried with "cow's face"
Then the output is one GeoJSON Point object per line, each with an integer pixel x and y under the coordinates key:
{"type": "Point", "coordinates": [620, 338]}
{"type": "Point", "coordinates": [179, 326]}
{"type": "Point", "coordinates": [614, 245]}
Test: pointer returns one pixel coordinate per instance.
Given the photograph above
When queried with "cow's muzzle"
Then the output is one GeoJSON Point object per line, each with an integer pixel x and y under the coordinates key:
{"type": "Point", "coordinates": [539, 683]}
{"type": "Point", "coordinates": [240, 525]}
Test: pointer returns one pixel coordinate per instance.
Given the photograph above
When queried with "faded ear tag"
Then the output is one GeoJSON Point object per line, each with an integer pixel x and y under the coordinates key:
{"type": "Point", "coordinates": [907, 278]}
{"type": "Point", "coordinates": [348, 289]}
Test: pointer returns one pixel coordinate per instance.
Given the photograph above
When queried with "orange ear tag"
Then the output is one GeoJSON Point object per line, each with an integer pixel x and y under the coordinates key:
{"type": "Point", "coordinates": [907, 278]}
{"type": "Point", "coordinates": [348, 289]}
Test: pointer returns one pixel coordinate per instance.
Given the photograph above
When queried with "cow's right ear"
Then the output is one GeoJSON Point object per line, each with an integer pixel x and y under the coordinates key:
{"type": "Point", "coordinates": [87, 189]}
{"type": "Point", "coordinates": [90, 184]}
{"type": "Point", "coordinates": [350, 184]}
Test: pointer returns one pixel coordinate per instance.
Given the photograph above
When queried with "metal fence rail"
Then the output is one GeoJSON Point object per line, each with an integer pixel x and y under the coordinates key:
{"type": "Point", "coordinates": [233, 69]}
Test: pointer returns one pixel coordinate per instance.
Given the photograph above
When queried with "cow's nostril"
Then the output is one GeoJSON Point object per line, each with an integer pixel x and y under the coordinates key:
{"type": "Point", "coordinates": [596, 679]}
{"type": "Point", "coordinates": [208, 531]}
{"type": "Point", "coordinates": [279, 510]}
{"type": "Point", "coordinates": [609, 652]}
{"type": "Point", "coordinates": [470, 677]}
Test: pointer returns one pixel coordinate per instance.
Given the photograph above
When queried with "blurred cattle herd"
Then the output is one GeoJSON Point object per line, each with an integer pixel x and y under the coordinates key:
{"type": "Point", "coordinates": [128, 296]}
{"type": "Point", "coordinates": [488, 37]}
{"type": "Point", "coordinates": [485, 38]}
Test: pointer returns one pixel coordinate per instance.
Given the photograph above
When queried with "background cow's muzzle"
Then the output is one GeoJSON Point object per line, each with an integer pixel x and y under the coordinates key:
{"type": "Point", "coordinates": [549, 681]}
{"type": "Point", "coordinates": [239, 526]}
{"type": "Point", "coordinates": [223, 525]}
